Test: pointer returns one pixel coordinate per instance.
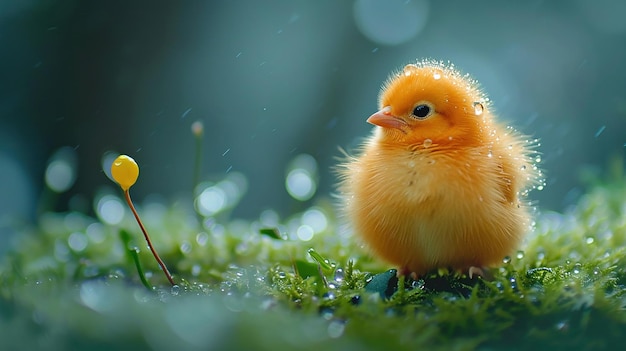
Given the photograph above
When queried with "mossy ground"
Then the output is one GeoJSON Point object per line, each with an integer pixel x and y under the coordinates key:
{"type": "Point", "coordinates": [70, 283]}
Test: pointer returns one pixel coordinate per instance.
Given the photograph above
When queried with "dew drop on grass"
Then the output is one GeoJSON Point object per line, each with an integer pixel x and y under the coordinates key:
{"type": "Point", "coordinates": [520, 254]}
{"type": "Point", "coordinates": [589, 240]}
{"type": "Point", "coordinates": [577, 268]}
{"type": "Point", "coordinates": [329, 295]}
{"type": "Point", "coordinates": [506, 260]}
{"type": "Point", "coordinates": [513, 283]}
{"type": "Point", "coordinates": [339, 275]}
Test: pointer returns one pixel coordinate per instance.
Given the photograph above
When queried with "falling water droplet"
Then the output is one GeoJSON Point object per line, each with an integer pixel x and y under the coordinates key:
{"type": "Point", "coordinates": [175, 290]}
{"type": "Point", "coordinates": [478, 108]}
{"type": "Point", "coordinates": [427, 143]}
{"type": "Point", "coordinates": [600, 130]}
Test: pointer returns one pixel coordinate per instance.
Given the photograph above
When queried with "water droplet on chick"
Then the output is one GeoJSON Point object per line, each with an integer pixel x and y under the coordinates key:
{"type": "Point", "coordinates": [478, 108]}
{"type": "Point", "coordinates": [427, 143]}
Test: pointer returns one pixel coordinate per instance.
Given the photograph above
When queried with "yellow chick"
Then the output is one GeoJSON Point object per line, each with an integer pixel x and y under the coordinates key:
{"type": "Point", "coordinates": [440, 183]}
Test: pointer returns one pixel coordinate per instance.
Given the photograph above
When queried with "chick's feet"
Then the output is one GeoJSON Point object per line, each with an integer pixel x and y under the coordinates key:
{"type": "Point", "coordinates": [479, 272]}
{"type": "Point", "coordinates": [406, 272]}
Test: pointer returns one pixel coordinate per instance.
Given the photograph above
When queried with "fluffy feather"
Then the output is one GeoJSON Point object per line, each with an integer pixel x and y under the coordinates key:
{"type": "Point", "coordinates": [445, 190]}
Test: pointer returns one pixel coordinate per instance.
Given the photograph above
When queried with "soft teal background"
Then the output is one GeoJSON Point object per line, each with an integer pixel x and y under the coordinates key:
{"type": "Point", "coordinates": [274, 79]}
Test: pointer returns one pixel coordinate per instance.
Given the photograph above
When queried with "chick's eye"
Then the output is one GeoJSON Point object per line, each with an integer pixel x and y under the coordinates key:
{"type": "Point", "coordinates": [421, 111]}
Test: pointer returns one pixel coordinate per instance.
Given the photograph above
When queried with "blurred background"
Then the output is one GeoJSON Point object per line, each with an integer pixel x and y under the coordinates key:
{"type": "Point", "coordinates": [279, 86]}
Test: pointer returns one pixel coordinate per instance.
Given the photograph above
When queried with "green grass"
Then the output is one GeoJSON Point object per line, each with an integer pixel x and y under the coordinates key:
{"type": "Point", "coordinates": [72, 283]}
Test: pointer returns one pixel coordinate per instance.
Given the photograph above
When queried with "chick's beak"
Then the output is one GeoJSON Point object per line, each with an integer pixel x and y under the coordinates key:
{"type": "Point", "coordinates": [385, 119]}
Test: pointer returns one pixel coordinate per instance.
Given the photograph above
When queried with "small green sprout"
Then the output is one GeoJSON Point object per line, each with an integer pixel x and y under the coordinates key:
{"type": "Point", "coordinates": [125, 172]}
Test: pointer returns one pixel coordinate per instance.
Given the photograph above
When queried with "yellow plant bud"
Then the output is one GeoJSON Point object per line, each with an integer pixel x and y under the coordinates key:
{"type": "Point", "coordinates": [125, 171]}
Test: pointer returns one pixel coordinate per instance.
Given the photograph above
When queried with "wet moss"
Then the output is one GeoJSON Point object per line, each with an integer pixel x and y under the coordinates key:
{"type": "Point", "coordinates": [69, 283]}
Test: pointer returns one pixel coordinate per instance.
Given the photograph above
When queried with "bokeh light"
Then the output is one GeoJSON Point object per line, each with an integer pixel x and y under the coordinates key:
{"type": "Point", "coordinates": [223, 195]}
{"type": "Point", "coordinates": [61, 171]}
{"type": "Point", "coordinates": [305, 232]}
{"type": "Point", "coordinates": [107, 161]}
{"type": "Point", "coordinates": [390, 22]}
{"type": "Point", "coordinates": [77, 241]}
{"type": "Point", "coordinates": [110, 209]}
{"type": "Point", "coordinates": [211, 200]}
{"type": "Point", "coordinates": [301, 180]}
{"type": "Point", "coordinates": [316, 219]}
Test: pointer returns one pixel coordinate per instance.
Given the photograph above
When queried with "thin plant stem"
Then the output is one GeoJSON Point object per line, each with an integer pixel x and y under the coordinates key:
{"type": "Point", "coordinates": [133, 256]}
{"type": "Point", "coordinates": [145, 234]}
{"type": "Point", "coordinates": [196, 171]}
{"type": "Point", "coordinates": [197, 163]}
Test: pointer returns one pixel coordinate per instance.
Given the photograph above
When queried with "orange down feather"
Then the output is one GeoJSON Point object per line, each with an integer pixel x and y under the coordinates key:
{"type": "Point", "coordinates": [440, 183]}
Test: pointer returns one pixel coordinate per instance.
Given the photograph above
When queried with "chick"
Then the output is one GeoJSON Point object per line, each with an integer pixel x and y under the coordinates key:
{"type": "Point", "coordinates": [440, 183]}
